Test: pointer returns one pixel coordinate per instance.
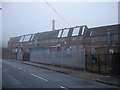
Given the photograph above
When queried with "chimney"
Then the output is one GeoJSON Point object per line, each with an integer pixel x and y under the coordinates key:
{"type": "Point", "coordinates": [53, 25]}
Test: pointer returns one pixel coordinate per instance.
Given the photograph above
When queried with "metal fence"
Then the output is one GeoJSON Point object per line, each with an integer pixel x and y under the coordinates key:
{"type": "Point", "coordinates": [107, 64]}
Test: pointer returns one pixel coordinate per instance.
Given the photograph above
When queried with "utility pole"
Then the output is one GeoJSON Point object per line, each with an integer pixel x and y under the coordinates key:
{"type": "Point", "coordinates": [53, 25]}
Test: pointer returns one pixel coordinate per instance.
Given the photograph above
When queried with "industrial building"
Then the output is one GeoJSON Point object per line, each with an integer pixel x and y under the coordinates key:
{"type": "Point", "coordinates": [93, 49]}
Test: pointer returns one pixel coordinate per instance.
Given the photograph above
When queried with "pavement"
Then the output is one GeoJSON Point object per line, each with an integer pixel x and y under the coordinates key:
{"type": "Point", "coordinates": [78, 73]}
{"type": "Point", "coordinates": [20, 75]}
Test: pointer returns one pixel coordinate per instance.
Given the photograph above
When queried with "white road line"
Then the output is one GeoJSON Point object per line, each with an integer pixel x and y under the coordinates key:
{"type": "Point", "coordinates": [64, 87]}
{"type": "Point", "coordinates": [38, 77]}
{"type": "Point", "coordinates": [13, 65]}
{"type": "Point", "coordinates": [20, 68]}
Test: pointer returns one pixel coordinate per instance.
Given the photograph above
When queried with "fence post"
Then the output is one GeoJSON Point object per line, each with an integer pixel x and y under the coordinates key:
{"type": "Point", "coordinates": [105, 65]}
{"type": "Point", "coordinates": [92, 65]}
{"type": "Point", "coordinates": [85, 62]}
{"type": "Point", "coordinates": [99, 63]}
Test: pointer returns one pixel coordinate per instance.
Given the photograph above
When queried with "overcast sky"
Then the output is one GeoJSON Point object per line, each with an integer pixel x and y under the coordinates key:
{"type": "Point", "coordinates": [21, 18]}
{"type": "Point", "coordinates": [0, 27]}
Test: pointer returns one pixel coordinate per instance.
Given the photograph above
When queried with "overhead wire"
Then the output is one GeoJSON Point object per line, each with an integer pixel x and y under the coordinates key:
{"type": "Point", "coordinates": [57, 12]}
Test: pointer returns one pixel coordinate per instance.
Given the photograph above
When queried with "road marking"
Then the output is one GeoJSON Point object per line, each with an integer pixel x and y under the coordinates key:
{"type": "Point", "coordinates": [38, 77]}
{"type": "Point", "coordinates": [64, 87]}
{"type": "Point", "coordinates": [20, 68]}
{"type": "Point", "coordinates": [13, 65]}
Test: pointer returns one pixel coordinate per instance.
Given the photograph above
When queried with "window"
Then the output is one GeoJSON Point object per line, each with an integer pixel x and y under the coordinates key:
{"type": "Point", "coordinates": [65, 33]}
{"type": "Point", "coordinates": [59, 34]}
{"type": "Point", "coordinates": [27, 38]}
{"type": "Point", "coordinates": [91, 33]}
{"type": "Point", "coordinates": [75, 31]}
{"type": "Point", "coordinates": [21, 39]}
{"type": "Point", "coordinates": [83, 30]}
{"type": "Point", "coordinates": [32, 37]}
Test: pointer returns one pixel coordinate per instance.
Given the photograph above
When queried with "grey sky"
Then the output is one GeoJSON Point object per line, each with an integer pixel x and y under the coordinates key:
{"type": "Point", "coordinates": [21, 18]}
{"type": "Point", "coordinates": [0, 26]}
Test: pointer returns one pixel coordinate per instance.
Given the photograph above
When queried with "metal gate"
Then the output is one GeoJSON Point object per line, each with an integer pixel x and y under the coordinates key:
{"type": "Point", "coordinates": [19, 56]}
{"type": "Point", "coordinates": [107, 64]}
{"type": "Point", "coordinates": [23, 56]}
{"type": "Point", "coordinates": [26, 56]}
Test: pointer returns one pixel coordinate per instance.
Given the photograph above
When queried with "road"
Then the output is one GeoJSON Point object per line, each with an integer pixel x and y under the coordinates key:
{"type": "Point", "coordinates": [18, 75]}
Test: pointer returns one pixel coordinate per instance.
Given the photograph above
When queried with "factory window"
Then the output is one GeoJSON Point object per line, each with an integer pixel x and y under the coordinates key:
{"type": "Point", "coordinates": [21, 39]}
{"type": "Point", "coordinates": [27, 38]}
{"type": "Point", "coordinates": [91, 33]}
{"type": "Point", "coordinates": [65, 33]}
{"type": "Point", "coordinates": [32, 37]}
{"type": "Point", "coordinates": [83, 30]}
{"type": "Point", "coordinates": [75, 31]}
{"type": "Point", "coordinates": [59, 34]}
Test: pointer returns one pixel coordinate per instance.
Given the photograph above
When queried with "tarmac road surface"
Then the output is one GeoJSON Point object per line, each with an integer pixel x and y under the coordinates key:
{"type": "Point", "coordinates": [18, 75]}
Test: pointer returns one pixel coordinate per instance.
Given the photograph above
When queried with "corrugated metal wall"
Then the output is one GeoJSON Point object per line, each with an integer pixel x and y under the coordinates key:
{"type": "Point", "coordinates": [72, 56]}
